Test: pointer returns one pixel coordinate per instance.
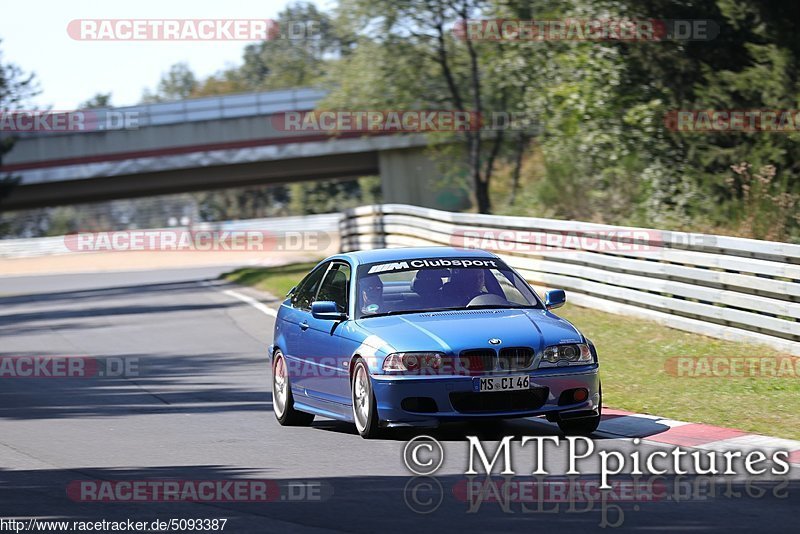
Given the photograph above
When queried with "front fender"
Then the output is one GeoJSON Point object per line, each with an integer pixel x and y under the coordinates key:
{"type": "Point", "coordinates": [372, 350]}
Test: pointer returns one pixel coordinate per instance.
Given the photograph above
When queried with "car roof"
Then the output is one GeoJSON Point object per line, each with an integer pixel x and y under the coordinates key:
{"type": "Point", "coordinates": [412, 253]}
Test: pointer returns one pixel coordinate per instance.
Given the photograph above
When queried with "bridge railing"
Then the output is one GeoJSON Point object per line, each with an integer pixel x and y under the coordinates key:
{"type": "Point", "coordinates": [724, 287]}
{"type": "Point", "coordinates": [194, 109]}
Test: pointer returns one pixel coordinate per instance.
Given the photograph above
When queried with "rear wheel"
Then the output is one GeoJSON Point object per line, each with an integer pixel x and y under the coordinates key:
{"type": "Point", "coordinates": [282, 399]}
{"type": "Point", "coordinates": [365, 411]}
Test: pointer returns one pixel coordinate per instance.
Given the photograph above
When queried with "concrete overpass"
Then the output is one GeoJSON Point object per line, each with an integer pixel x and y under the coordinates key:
{"type": "Point", "coordinates": [209, 143]}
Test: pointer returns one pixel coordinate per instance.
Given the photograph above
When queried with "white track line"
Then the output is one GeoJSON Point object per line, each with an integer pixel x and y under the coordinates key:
{"type": "Point", "coordinates": [260, 306]}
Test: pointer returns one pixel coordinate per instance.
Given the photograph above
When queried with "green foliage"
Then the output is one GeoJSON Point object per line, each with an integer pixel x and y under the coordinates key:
{"type": "Point", "coordinates": [407, 56]}
{"type": "Point", "coordinates": [330, 196]}
{"type": "Point", "coordinates": [275, 280]}
{"type": "Point", "coordinates": [242, 203]}
{"type": "Point", "coordinates": [635, 355]}
{"type": "Point", "coordinates": [762, 208]}
{"type": "Point", "coordinates": [279, 63]}
{"type": "Point", "coordinates": [16, 87]}
{"type": "Point", "coordinates": [609, 156]}
{"type": "Point", "coordinates": [299, 58]}
{"type": "Point", "coordinates": [177, 83]}
{"type": "Point", "coordinates": [100, 100]}
{"type": "Point", "coordinates": [603, 150]}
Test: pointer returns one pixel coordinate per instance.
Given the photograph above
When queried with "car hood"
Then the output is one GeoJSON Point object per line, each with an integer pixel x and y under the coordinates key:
{"type": "Point", "coordinates": [454, 331]}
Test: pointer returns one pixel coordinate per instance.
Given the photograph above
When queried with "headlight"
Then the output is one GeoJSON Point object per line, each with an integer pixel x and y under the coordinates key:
{"type": "Point", "coordinates": [561, 355]}
{"type": "Point", "coordinates": [413, 361]}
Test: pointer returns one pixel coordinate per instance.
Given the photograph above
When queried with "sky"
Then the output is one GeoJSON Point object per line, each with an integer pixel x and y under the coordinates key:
{"type": "Point", "coordinates": [34, 36]}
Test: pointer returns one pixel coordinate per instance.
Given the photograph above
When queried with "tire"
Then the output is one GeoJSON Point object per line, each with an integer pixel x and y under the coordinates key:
{"type": "Point", "coordinates": [365, 409]}
{"type": "Point", "coordinates": [282, 398]}
{"type": "Point", "coordinates": [585, 425]}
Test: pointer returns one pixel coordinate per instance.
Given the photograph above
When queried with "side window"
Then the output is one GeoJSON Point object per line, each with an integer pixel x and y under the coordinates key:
{"type": "Point", "coordinates": [303, 296]}
{"type": "Point", "coordinates": [336, 285]}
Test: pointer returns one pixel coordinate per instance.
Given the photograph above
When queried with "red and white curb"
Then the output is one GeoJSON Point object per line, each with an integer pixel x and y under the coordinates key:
{"type": "Point", "coordinates": [656, 429]}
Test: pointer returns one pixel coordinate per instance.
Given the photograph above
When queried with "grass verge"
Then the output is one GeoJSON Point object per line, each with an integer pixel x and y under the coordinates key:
{"type": "Point", "coordinates": [634, 356]}
{"type": "Point", "coordinates": [275, 280]}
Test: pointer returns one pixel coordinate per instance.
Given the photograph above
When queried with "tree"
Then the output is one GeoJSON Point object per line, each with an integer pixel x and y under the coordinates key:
{"type": "Point", "coordinates": [99, 100]}
{"type": "Point", "coordinates": [408, 56]}
{"type": "Point", "coordinates": [296, 58]}
{"type": "Point", "coordinates": [16, 87]}
{"type": "Point", "coordinates": [176, 84]}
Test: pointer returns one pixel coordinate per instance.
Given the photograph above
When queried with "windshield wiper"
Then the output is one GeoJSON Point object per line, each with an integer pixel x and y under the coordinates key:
{"type": "Point", "coordinates": [503, 307]}
{"type": "Point", "coordinates": [402, 312]}
{"type": "Point", "coordinates": [455, 308]}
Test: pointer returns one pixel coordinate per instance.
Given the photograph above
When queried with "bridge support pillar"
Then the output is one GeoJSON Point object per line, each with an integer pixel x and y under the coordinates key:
{"type": "Point", "coordinates": [410, 176]}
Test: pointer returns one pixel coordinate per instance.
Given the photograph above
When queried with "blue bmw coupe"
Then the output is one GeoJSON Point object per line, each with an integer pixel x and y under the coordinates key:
{"type": "Point", "coordinates": [419, 336]}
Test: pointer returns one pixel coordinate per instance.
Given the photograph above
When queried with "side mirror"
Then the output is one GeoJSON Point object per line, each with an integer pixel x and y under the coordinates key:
{"type": "Point", "coordinates": [555, 299]}
{"type": "Point", "coordinates": [327, 311]}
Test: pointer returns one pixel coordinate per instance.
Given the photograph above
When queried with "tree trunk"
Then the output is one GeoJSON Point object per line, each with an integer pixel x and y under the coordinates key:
{"type": "Point", "coordinates": [521, 142]}
{"type": "Point", "coordinates": [482, 197]}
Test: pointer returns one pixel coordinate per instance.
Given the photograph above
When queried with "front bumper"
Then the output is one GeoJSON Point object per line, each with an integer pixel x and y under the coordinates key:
{"type": "Point", "coordinates": [452, 398]}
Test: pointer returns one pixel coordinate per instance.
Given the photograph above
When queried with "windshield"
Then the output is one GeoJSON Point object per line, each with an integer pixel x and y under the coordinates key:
{"type": "Point", "coordinates": [431, 284]}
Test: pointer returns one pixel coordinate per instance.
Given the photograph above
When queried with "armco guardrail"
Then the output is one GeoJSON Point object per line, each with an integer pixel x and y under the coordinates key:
{"type": "Point", "coordinates": [724, 287]}
{"type": "Point", "coordinates": [42, 246]}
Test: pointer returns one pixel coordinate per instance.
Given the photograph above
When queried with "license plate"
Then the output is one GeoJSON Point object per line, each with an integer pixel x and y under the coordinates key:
{"type": "Point", "coordinates": [502, 383]}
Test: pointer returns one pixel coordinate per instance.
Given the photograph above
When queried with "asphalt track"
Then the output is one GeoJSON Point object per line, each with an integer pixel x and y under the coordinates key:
{"type": "Point", "coordinates": [198, 407]}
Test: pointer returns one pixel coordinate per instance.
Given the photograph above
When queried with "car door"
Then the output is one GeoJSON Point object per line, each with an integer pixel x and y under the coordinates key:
{"type": "Point", "coordinates": [296, 324]}
{"type": "Point", "coordinates": [329, 379]}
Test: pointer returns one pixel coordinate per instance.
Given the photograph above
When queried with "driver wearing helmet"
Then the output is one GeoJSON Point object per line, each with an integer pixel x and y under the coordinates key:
{"type": "Point", "coordinates": [370, 294]}
{"type": "Point", "coordinates": [464, 285]}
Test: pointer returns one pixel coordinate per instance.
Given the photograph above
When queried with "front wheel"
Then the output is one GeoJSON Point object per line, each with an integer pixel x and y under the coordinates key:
{"type": "Point", "coordinates": [585, 425]}
{"type": "Point", "coordinates": [365, 411]}
{"type": "Point", "coordinates": [282, 399]}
